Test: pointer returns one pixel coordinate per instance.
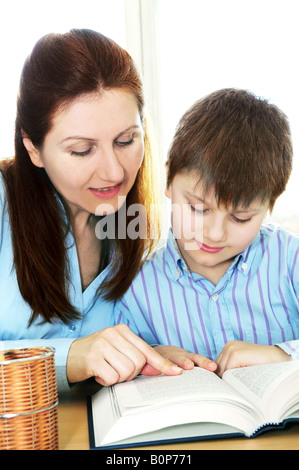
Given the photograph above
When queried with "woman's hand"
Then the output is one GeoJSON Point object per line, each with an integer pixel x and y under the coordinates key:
{"type": "Point", "coordinates": [114, 355]}
{"type": "Point", "coordinates": [240, 354]}
{"type": "Point", "coordinates": [182, 358]}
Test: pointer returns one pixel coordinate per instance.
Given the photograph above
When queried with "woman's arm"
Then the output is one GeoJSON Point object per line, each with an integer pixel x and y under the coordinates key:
{"type": "Point", "coordinates": [113, 355]}
{"type": "Point", "coordinates": [61, 347]}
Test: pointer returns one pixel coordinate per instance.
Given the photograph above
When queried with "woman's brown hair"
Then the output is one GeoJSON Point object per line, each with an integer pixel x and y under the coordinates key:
{"type": "Point", "coordinates": [60, 68]}
{"type": "Point", "coordinates": [237, 143]}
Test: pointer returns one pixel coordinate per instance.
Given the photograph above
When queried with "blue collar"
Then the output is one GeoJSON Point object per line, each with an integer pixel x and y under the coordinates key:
{"type": "Point", "coordinates": [178, 267]}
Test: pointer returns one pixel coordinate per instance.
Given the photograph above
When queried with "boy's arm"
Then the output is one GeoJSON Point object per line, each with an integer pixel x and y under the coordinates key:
{"type": "Point", "coordinates": [291, 348]}
{"type": "Point", "coordinates": [241, 354]}
{"type": "Point", "coordinates": [185, 359]}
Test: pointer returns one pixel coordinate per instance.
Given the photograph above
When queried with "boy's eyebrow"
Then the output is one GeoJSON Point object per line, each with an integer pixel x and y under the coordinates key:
{"type": "Point", "coordinates": [195, 196]}
{"type": "Point", "coordinates": [247, 209]}
{"type": "Point", "coordinates": [241, 210]}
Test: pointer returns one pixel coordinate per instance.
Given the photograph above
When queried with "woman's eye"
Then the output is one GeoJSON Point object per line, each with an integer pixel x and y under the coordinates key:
{"type": "Point", "coordinates": [81, 154]}
{"type": "Point", "coordinates": [124, 143]}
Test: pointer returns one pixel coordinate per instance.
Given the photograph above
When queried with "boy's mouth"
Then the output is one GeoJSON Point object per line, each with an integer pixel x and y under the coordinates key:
{"type": "Point", "coordinates": [207, 248]}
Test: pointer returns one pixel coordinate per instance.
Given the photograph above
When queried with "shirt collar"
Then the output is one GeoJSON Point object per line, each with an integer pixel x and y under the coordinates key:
{"type": "Point", "coordinates": [177, 265]}
{"type": "Point", "coordinates": [246, 258]}
{"type": "Point", "coordinates": [173, 257]}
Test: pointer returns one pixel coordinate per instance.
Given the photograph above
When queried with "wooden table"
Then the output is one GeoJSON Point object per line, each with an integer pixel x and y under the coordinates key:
{"type": "Point", "coordinates": [73, 430]}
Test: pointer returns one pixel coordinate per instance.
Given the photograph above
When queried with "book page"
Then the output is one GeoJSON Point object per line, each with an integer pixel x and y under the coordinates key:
{"type": "Point", "coordinates": [193, 384]}
{"type": "Point", "coordinates": [257, 383]}
{"type": "Point", "coordinates": [146, 404]}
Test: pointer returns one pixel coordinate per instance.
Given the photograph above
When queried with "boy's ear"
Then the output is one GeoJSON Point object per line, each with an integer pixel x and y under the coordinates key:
{"type": "Point", "coordinates": [167, 192]}
{"type": "Point", "coordinates": [167, 189]}
{"type": "Point", "coordinates": [268, 214]}
{"type": "Point", "coordinates": [33, 152]}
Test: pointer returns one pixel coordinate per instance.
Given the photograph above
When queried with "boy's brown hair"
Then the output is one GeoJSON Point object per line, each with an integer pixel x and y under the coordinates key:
{"type": "Point", "coordinates": [239, 145]}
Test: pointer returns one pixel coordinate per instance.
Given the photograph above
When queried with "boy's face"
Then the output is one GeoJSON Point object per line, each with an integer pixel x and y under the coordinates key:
{"type": "Point", "coordinates": [210, 236]}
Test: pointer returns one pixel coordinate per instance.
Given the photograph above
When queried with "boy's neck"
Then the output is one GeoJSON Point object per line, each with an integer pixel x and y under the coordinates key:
{"type": "Point", "coordinates": [213, 274]}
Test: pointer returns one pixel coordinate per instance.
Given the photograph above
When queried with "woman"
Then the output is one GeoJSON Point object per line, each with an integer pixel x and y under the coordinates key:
{"type": "Point", "coordinates": [81, 153]}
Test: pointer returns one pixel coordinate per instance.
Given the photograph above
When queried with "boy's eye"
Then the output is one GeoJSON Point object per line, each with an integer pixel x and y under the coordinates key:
{"type": "Point", "coordinates": [81, 154]}
{"type": "Point", "coordinates": [198, 208]}
{"type": "Point", "coordinates": [241, 221]}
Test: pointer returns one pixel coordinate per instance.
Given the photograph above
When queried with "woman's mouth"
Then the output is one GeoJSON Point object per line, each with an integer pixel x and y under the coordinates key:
{"type": "Point", "coordinates": [207, 248]}
{"type": "Point", "coordinates": [106, 192]}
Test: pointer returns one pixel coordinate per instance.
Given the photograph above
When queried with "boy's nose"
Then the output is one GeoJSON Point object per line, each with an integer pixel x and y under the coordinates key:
{"type": "Point", "coordinates": [215, 231]}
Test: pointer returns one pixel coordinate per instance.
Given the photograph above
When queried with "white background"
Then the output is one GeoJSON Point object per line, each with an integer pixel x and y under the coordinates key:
{"type": "Point", "coordinates": [184, 48]}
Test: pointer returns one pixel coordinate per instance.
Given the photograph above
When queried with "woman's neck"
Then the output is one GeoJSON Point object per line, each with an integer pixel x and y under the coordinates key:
{"type": "Point", "coordinates": [88, 246]}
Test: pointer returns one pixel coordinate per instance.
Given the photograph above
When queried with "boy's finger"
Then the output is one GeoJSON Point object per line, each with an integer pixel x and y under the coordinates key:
{"type": "Point", "coordinates": [153, 358]}
{"type": "Point", "coordinates": [161, 364]}
{"type": "Point", "coordinates": [203, 362]}
{"type": "Point", "coordinates": [149, 370]}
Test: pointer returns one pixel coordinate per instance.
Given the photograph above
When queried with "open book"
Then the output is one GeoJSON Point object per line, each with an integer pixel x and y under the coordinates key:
{"type": "Point", "coordinates": [194, 405]}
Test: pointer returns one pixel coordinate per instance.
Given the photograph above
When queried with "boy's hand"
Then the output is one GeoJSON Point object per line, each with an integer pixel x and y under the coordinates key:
{"type": "Point", "coordinates": [240, 354]}
{"type": "Point", "coordinates": [182, 358]}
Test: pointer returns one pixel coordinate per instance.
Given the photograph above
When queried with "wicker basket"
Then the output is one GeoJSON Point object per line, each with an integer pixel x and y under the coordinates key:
{"type": "Point", "coordinates": [28, 400]}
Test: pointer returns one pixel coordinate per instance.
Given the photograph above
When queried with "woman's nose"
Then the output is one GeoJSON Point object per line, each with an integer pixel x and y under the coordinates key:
{"type": "Point", "coordinates": [109, 167]}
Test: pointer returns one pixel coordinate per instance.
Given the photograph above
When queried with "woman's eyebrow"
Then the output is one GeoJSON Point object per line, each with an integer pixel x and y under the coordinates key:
{"type": "Point", "coordinates": [90, 139]}
{"type": "Point", "coordinates": [77, 137]}
{"type": "Point", "coordinates": [134, 126]}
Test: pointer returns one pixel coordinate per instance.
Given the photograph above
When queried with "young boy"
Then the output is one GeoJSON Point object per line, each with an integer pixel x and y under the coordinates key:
{"type": "Point", "coordinates": [224, 286]}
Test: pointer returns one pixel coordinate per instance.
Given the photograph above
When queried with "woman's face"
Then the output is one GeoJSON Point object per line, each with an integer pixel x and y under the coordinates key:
{"type": "Point", "coordinates": [93, 151]}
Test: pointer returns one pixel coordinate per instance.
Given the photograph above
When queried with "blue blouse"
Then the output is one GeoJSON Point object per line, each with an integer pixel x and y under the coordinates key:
{"type": "Point", "coordinates": [15, 312]}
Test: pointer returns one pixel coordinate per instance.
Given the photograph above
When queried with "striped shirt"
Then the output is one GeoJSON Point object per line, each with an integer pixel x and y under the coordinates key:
{"type": "Point", "coordinates": [255, 301]}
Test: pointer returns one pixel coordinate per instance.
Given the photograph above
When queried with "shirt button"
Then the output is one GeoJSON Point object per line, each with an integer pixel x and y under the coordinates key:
{"type": "Point", "coordinates": [177, 272]}
{"type": "Point", "coordinates": [72, 328]}
{"type": "Point", "coordinates": [215, 297]}
{"type": "Point", "coordinates": [244, 266]}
